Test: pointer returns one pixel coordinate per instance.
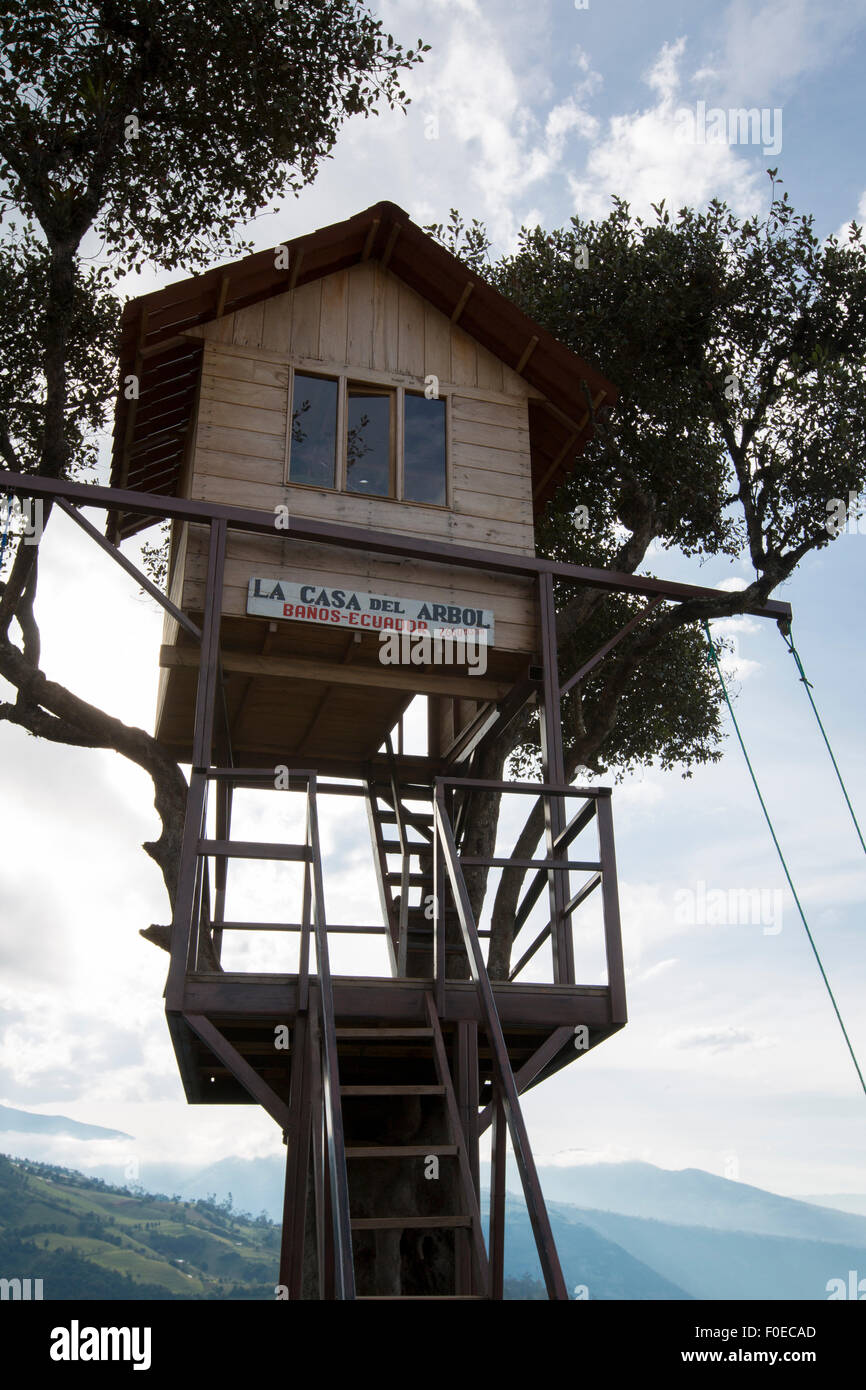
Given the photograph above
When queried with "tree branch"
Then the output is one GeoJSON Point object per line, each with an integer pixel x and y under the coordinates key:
{"type": "Point", "coordinates": [51, 711]}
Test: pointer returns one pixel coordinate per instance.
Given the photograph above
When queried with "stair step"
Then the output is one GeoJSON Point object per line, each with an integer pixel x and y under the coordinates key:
{"type": "Point", "coordinates": [254, 849]}
{"type": "Point", "coordinates": [413, 846]}
{"type": "Point", "coordinates": [407, 1223]}
{"type": "Point", "coordinates": [392, 1090]}
{"type": "Point", "coordinates": [384, 1033]}
{"type": "Point", "coordinates": [414, 880]}
{"type": "Point", "coordinates": [403, 1151]}
{"type": "Point", "coordinates": [418, 1297]}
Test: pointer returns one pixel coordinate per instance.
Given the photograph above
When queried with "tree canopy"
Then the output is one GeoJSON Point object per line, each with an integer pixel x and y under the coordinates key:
{"type": "Point", "coordinates": [146, 132]}
{"type": "Point", "coordinates": [737, 348]}
{"type": "Point", "coordinates": [137, 133]}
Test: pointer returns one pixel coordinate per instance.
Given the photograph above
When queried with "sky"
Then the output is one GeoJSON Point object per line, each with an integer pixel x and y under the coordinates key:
{"type": "Point", "coordinates": [732, 1060]}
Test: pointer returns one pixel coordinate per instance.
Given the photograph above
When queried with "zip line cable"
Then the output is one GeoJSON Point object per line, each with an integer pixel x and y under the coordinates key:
{"type": "Point", "coordinates": [785, 629]}
{"type": "Point", "coordinates": [713, 659]}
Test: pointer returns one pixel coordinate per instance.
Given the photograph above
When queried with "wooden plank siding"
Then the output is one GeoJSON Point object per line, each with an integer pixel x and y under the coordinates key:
{"type": "Point", "coordinates": [363, 320]}
{"type": "Point", "coordinates": [262, 557]}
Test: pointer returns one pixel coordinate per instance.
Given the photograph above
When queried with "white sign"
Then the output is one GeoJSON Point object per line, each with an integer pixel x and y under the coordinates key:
{"type": "Point", "coordinates": [349, 608]}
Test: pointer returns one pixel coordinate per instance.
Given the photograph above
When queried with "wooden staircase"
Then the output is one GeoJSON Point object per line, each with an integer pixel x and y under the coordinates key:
{"type": "Point", "coordinates": [404, 1244]}
{"type": "Point", "coordinates": [406, 894]}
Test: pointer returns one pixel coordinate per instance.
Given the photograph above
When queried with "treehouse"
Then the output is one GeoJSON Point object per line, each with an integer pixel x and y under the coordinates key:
{"type": "Point", "coordinates": [354, 436]}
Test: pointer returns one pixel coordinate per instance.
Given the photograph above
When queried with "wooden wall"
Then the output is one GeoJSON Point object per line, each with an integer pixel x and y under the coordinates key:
{"type": "Point", "coordinates": [366, 319]}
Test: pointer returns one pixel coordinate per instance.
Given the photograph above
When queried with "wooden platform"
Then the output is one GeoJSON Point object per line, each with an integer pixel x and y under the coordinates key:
{"type": "Point", "coordinates": [247, 1008]}
{"type": "Point", "coordinates": [308, 693]}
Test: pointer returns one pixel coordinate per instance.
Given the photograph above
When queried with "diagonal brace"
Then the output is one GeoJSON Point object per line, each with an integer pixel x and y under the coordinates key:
{"type": "Point", "coordinates": [177, 613]}
{"type": "Point", "coordinates": [240, 1068]}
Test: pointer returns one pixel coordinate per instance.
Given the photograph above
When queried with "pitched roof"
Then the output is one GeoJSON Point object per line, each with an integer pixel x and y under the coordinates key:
{"type": "Point", "coordinates": [150, 432]}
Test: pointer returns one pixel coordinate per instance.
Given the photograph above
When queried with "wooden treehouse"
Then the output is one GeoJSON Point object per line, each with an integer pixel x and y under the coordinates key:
{"type": "Point", "coordinates": [363, 433]}
{"type": "Point", "coordinates": [350, 433]}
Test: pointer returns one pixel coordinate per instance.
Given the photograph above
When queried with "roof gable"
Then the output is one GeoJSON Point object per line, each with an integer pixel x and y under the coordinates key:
{"type": "Point", "coordinates": [161, 344]}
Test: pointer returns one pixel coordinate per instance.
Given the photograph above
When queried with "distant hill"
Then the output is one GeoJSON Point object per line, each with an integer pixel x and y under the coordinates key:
{"type": "Point", "coordinates": [625, 1231]}
{"type": "Point", "coordinates": [26, 1122]}
{"type": "Point", "coordinates": [710, 1264]}
{"type": "Point", "coordinates": [691, 1197]}
{"type": "Point", "coordinates": [86, 1240]}
{"type": "Point", "coordinates": [599, 1265]}
{"type": "Point", "coordinates": [854, 1202]}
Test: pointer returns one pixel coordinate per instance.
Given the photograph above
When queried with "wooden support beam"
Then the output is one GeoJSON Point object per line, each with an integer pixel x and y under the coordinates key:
{"type": "Point", "coordinates": [371, 237]}
{"type": "Point", "coordinates": [252, 521]}
{"type": "Point", "coordinates": [526, 353]}
{"type": "Point", "coordinates": [117, 555]}
{"type": "Point", "coordinates": [570, 443]}
{"type": "Point", "coordinates": [462, 302]}
{"type": "Point", "coordinates": [416, 679]}
{"type": "Point", "coordinates": [241, 1069]}
{"type": "Point", "coordinates": [222, 296]}
{"type": "Point", "coordinates": [391, 243]}
{"type": "Point", "coordinates": [296, 269]}
{"type": "Point", "coordinates": [524, 1078]}
{"type": "Point", "coordinates": [297, 1161]}
{"type": "Point", "coordinates": [496, 1240]}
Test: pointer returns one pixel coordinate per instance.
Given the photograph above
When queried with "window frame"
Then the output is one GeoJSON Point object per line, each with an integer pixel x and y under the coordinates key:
{"type": "Point", "coordinates": [348, 376]}
{"type": "Point", "coordinates": [338, 427]}
{"type": "Point", "coordinates": [395, 465]}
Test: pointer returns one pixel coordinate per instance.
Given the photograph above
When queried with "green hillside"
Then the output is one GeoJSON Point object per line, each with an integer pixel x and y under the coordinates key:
{"type": "Point", "coordinates": [86, 1239]}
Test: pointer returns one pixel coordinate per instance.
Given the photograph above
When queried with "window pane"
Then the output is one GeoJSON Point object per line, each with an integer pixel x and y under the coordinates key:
{"type": "Point", "coordinates": [368, 443]}
{"type": "Point", "coordinates": [424, 450]}
{"type": "Point", "coordinates": [313, 453]}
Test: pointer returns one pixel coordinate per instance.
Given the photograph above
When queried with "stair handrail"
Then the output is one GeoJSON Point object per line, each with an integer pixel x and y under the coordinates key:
{"type": "Point", "coordinates": [344, 1270]}
{"type": "Point", "coordinates": [504, 1076]}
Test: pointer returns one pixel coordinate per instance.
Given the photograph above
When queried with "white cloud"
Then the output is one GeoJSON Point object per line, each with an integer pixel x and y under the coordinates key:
{"type": "Point", "coordinates": [644, 157]}
{"type": "Point", "coordinates": [719, 1039]}
{"type": "Point", "coordinates": [765, 48]}
{"type": "Point", "coordinates": [843, 234]}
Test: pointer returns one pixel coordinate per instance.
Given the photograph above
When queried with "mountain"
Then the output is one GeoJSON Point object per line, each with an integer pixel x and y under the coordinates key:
{"type": "Point", "coordinates": [691, 1197]}
{"type": "Point", "coordinates": [254, 1184]}
{"type": "Point", "coordinates": [86, 1239]}
{"type": "Point", "coordinates": [601, 1267]}
{"type": "Point", "coordinates": [720, 1264]}
{"type": "Point", "coordinates": [840, 1201]}
{"type": "Point", "coordinates": [25, 1122]}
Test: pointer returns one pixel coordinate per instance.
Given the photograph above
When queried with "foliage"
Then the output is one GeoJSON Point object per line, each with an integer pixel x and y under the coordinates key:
{"type": "Point", "coordinates": [163, 124]}
{"type": "Point", "coordinates": [88, 1239]}
{"type": "Point", "coordinates": [736, 346]}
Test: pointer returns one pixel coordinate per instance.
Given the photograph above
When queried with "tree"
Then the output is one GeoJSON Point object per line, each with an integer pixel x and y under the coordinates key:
{"type": "Point", "coordinates": [737, 348]}
{"type": "Point", "coordinates": [149, 130]}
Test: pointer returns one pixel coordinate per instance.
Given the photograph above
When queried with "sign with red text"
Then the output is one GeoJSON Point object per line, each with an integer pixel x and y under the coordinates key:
{"type": "Point", "coordinates": [350, 608]}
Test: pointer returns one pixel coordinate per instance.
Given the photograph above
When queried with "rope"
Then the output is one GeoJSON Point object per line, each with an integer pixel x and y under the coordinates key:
{"type": "Point", "coordinates": [713, 659]}
{"type": "Point", "coordinates": [789, 643]}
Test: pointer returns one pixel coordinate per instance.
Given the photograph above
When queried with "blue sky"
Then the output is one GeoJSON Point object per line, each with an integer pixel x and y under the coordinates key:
{"type": "Point", "coordinates": [732, 1060]}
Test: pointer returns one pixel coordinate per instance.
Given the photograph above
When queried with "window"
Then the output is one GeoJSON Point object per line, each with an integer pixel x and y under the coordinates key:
{"type": "Point", "coordinates": [368, 439]}
{"type": "Point", "coordinates": [313, 446]}
{"type": "Point", "coordinates": [424, 453]}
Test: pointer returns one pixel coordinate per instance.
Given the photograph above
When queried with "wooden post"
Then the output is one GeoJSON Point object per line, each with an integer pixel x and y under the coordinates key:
{"type": "Point", "coordinates": [610, 909]}
{"type": "Point", "coordinates": [554, 771]}
{"type": "Point", "coordinates": [297, 1160]}
{"type": "Point", "coordinates": [497, 1198]}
